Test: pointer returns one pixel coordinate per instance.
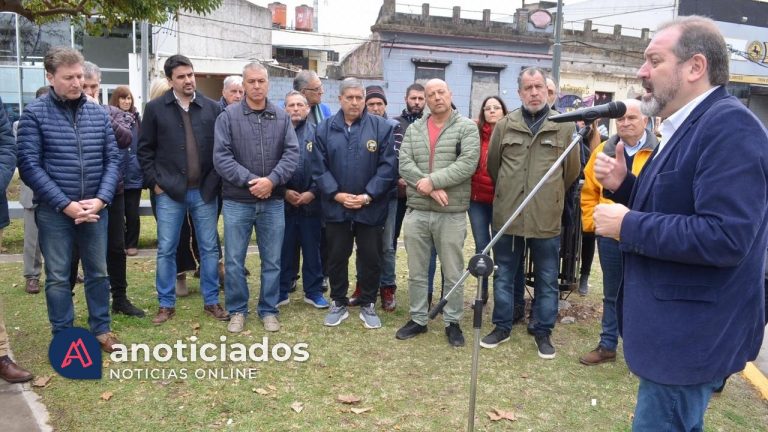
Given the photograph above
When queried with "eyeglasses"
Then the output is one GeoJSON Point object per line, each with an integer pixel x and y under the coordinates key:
{"type": "Point", "coordinates": [316, 89]}
{"type": "Point", "coordinates": [492, 107]}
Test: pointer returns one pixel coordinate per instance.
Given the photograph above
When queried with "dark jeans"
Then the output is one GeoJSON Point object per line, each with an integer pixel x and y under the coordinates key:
{"type": "Point", "coordinates": [58, 235]}
{"type": "Point", "coordinates": [116, 248]}
{"type": "Point", "coordinates": [340, 237]}
{"type": "Point", "coordinates": [610, 263]}
{"type": "Point", "coordinates": [587, 252]}
{"type": "Point", "coordinates": [662, 407]}
{"type": "Point", "coordinates": [301, 233]}
{"type": "Point", "coordinates": [132, 219]}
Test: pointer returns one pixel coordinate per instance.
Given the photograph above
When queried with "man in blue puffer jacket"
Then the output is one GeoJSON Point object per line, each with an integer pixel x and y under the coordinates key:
{"type": "Point", "coordinates": [68, 157]}
{"type": "Point", "coordinates": [353, 165]}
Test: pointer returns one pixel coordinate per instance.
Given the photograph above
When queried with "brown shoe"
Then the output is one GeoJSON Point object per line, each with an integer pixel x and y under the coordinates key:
{"type": "Point", "coordinates": [181, 285]}
{"type": "Point", "coordinates": [12, 372]}
{"type": "Point", "coordinates": [216, 311]}
{"type": "Point", "coordinates": [32, 286]}
{"type": "Point", "coordinates": [388, 302]}
{"type": "Point", "coordinates": [597, 356]}
{"type": "Point", "coordinates": [163, 315]}
{"type": "Point", "coordinates": [131, 251]}
{"type": "Point", "coordinates": [107, 341]}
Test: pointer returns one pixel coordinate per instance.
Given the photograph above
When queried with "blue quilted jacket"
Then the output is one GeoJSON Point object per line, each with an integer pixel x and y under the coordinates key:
{"type": "Point", "coordinates": [67, 155]}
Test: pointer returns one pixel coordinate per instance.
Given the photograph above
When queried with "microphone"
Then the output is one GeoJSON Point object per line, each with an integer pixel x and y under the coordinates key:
{"type": "Point", "coordinates": [590, 114]}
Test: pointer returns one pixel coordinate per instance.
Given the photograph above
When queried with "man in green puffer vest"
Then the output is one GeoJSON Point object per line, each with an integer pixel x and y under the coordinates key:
{"type": "Point", "coordinates": [438, 156]}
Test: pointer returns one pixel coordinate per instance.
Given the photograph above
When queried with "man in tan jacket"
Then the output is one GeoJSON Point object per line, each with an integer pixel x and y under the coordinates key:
{"type": "Point", "coordinates": [524, 145]}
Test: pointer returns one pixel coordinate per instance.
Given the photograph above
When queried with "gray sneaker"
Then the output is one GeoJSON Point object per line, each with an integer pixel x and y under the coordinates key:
{"type": "Point", "coordinates": [369, 317]}
{"type": "Point", "coordinates": [236, 323]}
{"type": "Point", "coordinates": [337, 314]}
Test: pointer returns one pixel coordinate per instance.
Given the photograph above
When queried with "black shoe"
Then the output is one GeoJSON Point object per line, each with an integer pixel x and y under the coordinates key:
{"type": "Point", "coordinates": [409, 330]}
{"type": "Point", "coordinates": [494, 338]}
{"type": "Point", "coordinates": [546, 349]}
{"type": "Point", "coordinates": [125, 307]}
{"type": "Point", "coordinates": [455, 336]}
{"type": "Point", "coordinates": [531, 326]}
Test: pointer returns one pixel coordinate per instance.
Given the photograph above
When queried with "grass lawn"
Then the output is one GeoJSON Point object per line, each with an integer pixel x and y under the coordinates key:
{"type": "Point", "coordinates": [416, 385]}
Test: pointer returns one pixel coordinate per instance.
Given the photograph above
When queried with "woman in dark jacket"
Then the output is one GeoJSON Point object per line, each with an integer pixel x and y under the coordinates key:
{"type": "Point", "coordinates": [133, 180]}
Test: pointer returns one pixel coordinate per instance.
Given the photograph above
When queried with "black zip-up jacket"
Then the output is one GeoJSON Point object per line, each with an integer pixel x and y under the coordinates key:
{"type": "Point", "coordinates": [162, 152]}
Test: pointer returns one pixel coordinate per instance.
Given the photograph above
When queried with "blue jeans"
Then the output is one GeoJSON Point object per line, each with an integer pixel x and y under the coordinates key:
{"type": "Point", "coordinates": [170, 216]}
{"type": "Point", "coordinates": [480, 217]}
{"type": "Point", "coordinates": [58, 236]}
{"type": "Point", "coordinates": [301, 232]}
{"type": "Point", "coordinates": [240, 219]}
{"type": "Point", "coordinates": [663, 407]}
{"type": "Point", "coordinates": [610, 262]}
{"type": "Point", "coordinates": [508, 252]}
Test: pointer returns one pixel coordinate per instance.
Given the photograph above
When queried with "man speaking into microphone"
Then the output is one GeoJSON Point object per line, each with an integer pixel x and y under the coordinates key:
{"type": "Point", "coordinates": [693, 231]}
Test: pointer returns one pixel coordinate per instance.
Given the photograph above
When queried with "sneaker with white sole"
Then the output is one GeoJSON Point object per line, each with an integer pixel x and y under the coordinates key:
{"type": "Point", "coordinates": [546, 349]}
{"type": "Point", "coordinates": [236, 323]}
{"type": "Point", "coordinates": [369, 317]}
{"type": "Point", "coordinates": [336, 315]}
{"type": "Point", "coordinates": [271, 324]}
{"type": "Point", "coordinates": [317, 300]}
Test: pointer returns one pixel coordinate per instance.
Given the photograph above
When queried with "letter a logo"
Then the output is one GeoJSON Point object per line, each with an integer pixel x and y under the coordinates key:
{"type": "Point", "coordinates": [75, 354]}
{"type": "Point", "coordinates": [77, 351]}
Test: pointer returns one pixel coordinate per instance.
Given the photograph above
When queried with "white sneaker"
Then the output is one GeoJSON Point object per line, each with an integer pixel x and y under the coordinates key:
{"type": "Point", "coordinates": [236, 323]}
{"type": "Point", "coordinates": [271, 324]}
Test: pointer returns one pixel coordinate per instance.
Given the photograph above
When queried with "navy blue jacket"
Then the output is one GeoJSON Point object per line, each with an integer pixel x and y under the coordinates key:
{"type": "Point", "coordinates": [250, 145]}
{"type": "Point", "coordinates": [302, 181]}
{"type": "Point", "coordinates": [162, 154]}
{"type": "Point", "coordinates": [134, 178]}
{"type": "Point", "coordinates": [7, 162]}
{"type": "Point", "coordinates": [65, 157]}
{"type": "Point", "coordinates": [694, 246]}
{"type": "Point", "coordinates": [357, 159]}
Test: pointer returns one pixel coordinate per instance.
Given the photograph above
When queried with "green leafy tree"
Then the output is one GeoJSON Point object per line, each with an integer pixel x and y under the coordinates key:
{"type": "Point", "coordinates": [109, 12]}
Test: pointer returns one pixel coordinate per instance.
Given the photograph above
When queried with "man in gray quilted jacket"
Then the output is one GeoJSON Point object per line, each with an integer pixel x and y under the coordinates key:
{"type": "Point", "coordinates": [438, 156]}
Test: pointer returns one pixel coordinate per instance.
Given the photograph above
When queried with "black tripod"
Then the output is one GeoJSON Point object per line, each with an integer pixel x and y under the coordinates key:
{"type": "Point", "coordinates": [481, 266]}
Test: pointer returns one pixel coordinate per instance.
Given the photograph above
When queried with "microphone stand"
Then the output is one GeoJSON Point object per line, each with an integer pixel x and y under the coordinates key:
{"type": "Point", "coordinates": [481, 266]}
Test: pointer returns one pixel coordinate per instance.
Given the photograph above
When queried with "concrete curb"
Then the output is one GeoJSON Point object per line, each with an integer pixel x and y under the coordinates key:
{"type": "Point", "coordinates": [756, 377]}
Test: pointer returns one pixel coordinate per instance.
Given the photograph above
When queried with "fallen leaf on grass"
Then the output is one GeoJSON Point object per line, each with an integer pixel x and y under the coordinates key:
{"type": "Point", "coordinates": [261, 391]}
{"type": "Point", "coordinates": [106, 396]}
{"type": "Point", "coordinates": [297, 406]}
{"type": "Point", "coordinates": [42, 381]}
{"type": "Point", "coordinates": [361, 410]}
{"type": "Point", "coordinates": [348, 399]}
{"type": "Point", "coordinates": [196, 328]}
{"type": "Point", "coordinates": [498, 414]}
{"type": "Point", "coordinates": [271, 387]}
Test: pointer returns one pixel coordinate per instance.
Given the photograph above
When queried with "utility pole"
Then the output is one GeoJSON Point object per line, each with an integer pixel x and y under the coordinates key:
{"type": "Point", "coordinates": [145, 62]}
{"type": "Point", "coordinates": [556, 49]}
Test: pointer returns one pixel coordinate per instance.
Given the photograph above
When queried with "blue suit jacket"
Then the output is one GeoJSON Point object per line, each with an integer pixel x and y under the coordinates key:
{"type": "Point", "coordinates": [694, 245]}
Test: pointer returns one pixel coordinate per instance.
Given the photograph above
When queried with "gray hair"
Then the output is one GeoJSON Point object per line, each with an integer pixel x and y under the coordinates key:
{"type": "Point", "coordinates": [233, 80]}
{"type": "Point", "coordinates": [303, 78]}
{"type": "Point", "coordinates": [297, 93]}
{"type": "Point", "coordinates": [61, 56]}
{"type": "Point", "coordinates": [700, 35]}
{"type": "Point", "coordinates": [91, 71]}
{"type": "Point", "coordinates": [531, 71]}
{"type": "Point", "coordinates": [255, 66]}
{"type": "Point", "coordinates": [351, 83]}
